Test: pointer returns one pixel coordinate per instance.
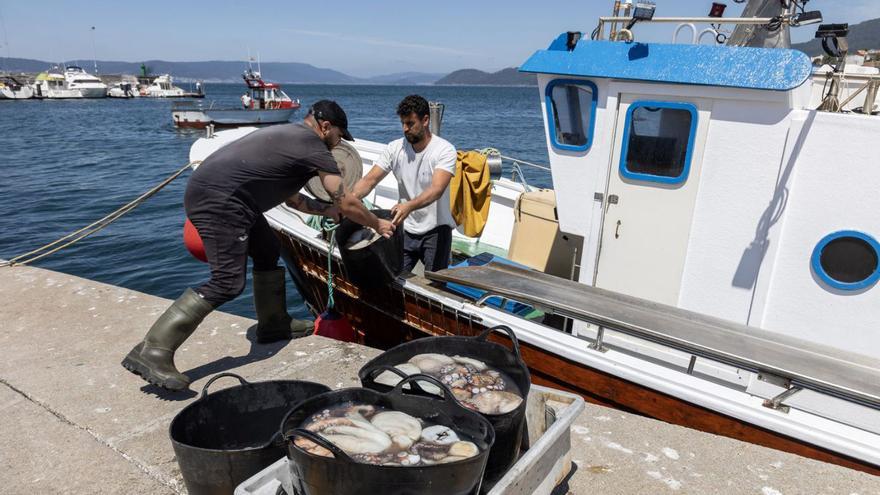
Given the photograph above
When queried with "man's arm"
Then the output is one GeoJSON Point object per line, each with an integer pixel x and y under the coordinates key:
{"type": "Point", "coordinates": [369, 182]}
{"type": "Point", "coordinates": [439, 182]}
{"type": "Point", "coordinates": [351, 206]}
{"type": "Point", "coordinates": [311, 206]}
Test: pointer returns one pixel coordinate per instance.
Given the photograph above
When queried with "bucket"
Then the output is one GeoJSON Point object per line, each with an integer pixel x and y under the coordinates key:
{"type": "Point", "coordinates": [377, 264]}
{"type": "Point", "coordinates": [226, 437]}
{"type": "Point", "coordinates": [341, 475]}
{"type": "Point", "coordinates": [508, 427]}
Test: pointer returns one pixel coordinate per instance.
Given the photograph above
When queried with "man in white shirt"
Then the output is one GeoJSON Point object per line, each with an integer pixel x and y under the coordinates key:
{"type": "Point", "coordinates": [423, 165]}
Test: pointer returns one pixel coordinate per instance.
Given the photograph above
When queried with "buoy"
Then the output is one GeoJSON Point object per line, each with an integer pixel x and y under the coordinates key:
{"type": "Point", "coordinates": [333, 325]}
{"type": "Point", "coordinates": [193, 241]}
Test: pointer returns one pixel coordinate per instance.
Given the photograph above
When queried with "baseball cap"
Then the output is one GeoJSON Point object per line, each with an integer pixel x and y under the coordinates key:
{"type": "Point", "coordinates": [330, 111]}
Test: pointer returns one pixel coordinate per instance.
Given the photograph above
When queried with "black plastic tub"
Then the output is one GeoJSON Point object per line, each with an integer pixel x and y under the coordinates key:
{"type": "Point", "coordinates": [377, 264]}
{"type": "Point", "coordinates": [508, 427]}
{"type": "Point", "coordinates": [340, 475]}
{"type": "Point", "coordinates": [226, 437]}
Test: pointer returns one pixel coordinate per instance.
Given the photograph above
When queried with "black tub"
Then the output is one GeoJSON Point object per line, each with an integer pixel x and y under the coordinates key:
{"type": "Point", "coordinates": [340, 475]}
{"type": "Point", "coordinates": [377, 264]}
{"type": "Point", "coordinates": [508, 427]}
{"type": "Point", "coordinates": [225, 438]}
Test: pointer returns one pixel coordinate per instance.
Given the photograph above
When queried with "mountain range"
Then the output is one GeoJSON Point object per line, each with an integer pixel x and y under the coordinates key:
{"type": "Point", "coordinates": [227, 71]}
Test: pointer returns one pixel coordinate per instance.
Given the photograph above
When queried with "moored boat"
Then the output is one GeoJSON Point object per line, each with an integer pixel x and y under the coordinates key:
{"type": "Point", "coordinates": [88, 86]}
{"type": "Point", "coordinates": [13, 89]}
{"type": "Point", "coordinates": [264, 103]}
{"type": "Point", "coordinates": [708, 256]}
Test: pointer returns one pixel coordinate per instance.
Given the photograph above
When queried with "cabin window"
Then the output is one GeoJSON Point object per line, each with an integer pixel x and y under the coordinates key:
{"type": "Point", "coordinates": [571, 113]}
{"type": "Point", "coordinates": [847, 260]}
{"type": "Point", "coordinates": [658, 141]}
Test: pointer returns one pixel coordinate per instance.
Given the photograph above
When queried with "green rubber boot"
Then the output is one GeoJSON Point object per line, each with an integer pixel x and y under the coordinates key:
{"type": "Point", "coordinates": [153, 359]}
{"type": "Point", "coordinates": [270, 303]}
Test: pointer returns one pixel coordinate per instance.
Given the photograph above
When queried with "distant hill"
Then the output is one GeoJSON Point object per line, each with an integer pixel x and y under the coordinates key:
{"type": "Point", "coordinates": [504, 77]}
{"type": "Point", "coordinates": [226, 71]}
{"type": "Point", "coordinates": [864, 35]}
{"type": "Point", "coordinates": [414, 78]}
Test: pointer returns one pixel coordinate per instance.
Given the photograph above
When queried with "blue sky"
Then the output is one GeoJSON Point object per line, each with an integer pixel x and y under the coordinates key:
{"type": "Point", "coordinates": [361, 38]}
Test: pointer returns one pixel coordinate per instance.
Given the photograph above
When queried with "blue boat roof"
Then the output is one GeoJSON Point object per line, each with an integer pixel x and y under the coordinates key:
{"type": "Point", "coordinates": [735, 67]}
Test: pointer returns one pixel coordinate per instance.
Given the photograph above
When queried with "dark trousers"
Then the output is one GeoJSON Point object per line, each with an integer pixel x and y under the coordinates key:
{"type": "Point", "coordinates": [229, 238]}
{"type": "Point", "coordinates": [433, 249]}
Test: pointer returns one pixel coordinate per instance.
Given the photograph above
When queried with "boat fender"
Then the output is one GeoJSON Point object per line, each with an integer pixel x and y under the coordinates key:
{"type": "Point", "coordinates": [333, 325]}
{"type": "Point", "coordinates": [193, 241]}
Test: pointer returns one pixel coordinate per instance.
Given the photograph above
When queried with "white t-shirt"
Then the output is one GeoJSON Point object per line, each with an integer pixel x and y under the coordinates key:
{"type": "Point", "coordinates": [414, 172]}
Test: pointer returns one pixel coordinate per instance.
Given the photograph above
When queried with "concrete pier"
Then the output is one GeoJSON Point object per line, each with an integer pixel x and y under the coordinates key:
{"type": "Point", "coordinates": [74, 421]}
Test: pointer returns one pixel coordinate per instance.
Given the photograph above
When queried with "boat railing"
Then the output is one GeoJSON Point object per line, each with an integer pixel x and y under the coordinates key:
{"type": "Point", "coordinates": [834, 80]}
{"type": "Point", "coordinates": [793, 363]}
{"type": "Point", "coordinates": [496, 169]}
{"type": "Point", "coordinates": [627, 34]}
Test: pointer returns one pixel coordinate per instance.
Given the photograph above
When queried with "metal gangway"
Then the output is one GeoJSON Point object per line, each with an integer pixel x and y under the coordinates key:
{"type": "Point", "coordinates": [801, 364]}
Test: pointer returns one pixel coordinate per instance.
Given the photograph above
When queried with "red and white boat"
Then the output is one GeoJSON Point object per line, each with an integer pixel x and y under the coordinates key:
{"type": "Point", "coordinates": [264, 103]}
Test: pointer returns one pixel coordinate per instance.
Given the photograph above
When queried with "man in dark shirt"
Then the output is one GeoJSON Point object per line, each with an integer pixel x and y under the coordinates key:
{"type": "Point", "coordinates": [225, 200]}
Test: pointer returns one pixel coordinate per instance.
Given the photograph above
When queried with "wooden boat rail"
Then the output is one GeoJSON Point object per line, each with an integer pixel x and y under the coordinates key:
{"type": "Point", "coordinates": [800, 364]}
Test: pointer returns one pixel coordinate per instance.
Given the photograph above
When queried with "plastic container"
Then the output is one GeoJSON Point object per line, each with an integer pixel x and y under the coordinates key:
{"type": "Point", "coordinates": [340, 475]}
{"type": "Point", "coordinates": [508, 427]}
{"type": "Point", "coordinates": [540, 468]}
{"type": "Point", "coordinates": [226, 437]}
{"type": "Point", "coordinates": [377, 264]}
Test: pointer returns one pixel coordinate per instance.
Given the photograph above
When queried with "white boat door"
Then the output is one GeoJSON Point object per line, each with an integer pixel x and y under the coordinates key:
{"type": "Point", "coordinates": [649, 200]}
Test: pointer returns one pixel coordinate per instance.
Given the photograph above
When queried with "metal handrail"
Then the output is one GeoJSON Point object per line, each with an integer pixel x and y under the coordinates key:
{"type": "Point", "coordinates": [759, 21]}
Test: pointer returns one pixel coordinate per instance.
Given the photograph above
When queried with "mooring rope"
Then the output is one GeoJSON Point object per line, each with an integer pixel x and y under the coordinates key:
{"type": "Point", "coordinates": [330, 226]}
{"type": "Point", "coordinates": [96, 226]}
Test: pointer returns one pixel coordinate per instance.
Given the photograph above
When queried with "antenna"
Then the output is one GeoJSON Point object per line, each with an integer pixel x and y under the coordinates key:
{"type": "Point", "coordinates": [5, 37]}
{"type": "Point", "coordinates": [250, 59]}
{"type": "Point", "coordinates": [259, 68]}
{"type": "Point", "coordinates": [94, 56]}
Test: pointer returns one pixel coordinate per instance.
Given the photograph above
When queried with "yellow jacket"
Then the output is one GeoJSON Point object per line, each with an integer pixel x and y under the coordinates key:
{"type": "Point", "coordinates": [471, 192]}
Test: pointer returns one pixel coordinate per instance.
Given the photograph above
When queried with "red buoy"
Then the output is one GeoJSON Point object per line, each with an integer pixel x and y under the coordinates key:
{"type": "Point", "coordinates": [333, 325]}
{"type": "Point", "coordinates": [193, 241]}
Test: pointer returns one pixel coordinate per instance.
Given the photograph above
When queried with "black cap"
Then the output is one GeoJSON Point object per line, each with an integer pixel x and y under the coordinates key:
{"type": "Point", "coordinates": [330, 111]}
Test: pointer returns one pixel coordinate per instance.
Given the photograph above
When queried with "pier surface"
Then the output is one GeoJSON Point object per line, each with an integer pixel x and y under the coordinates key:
{"type": "Point", "coordinates": [74, 421]}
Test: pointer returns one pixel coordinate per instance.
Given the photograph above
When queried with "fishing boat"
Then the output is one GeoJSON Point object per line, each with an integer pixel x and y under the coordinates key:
{"type": "Point", "coordinates": [163, 87]}
{"type": "Point", "coordinates": [263, 103]}
{"type": "Point", "coordinates": [708, 255]}
{"type": "Point", "coordinates": [13, 89]}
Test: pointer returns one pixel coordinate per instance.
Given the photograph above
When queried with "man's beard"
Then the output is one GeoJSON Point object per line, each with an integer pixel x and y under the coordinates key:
{"type": "Point", "coordinates": [414, 138]}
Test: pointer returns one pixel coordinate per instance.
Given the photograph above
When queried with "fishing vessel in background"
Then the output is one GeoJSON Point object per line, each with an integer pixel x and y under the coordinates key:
{"type": "Point", "coordinates": [263, 103]}
{"type": "Point", "coordinates": [708, 255]}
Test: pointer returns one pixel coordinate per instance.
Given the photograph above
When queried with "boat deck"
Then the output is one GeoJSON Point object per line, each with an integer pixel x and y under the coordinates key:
{"type": "Point", "coordinates": [76, 422]}
{"type": "Point", "coordinates": [806, 365]}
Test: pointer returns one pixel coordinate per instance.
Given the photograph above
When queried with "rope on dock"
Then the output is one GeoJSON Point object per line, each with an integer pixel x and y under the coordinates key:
{"type": "Point", "coordinates": [96, 226]}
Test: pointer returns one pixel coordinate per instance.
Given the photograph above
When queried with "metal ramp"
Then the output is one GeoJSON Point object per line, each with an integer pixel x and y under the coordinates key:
{"type": "Point", "coordinates": [805, 365]}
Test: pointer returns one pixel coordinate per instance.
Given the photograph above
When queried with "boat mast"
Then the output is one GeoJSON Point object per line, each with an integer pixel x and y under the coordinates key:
{"type": "Point", "coordinates": [94, 52]}
{"type": "Point", "coordinates": [767, 36]}
{"type": "Point", "coordinates": [5, 38]}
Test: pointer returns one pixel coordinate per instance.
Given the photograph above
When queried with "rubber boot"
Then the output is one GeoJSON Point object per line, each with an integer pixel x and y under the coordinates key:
{"type": "Point", "coordinates": [270, 303]}
{"type": "Point", "coordinates": [153, 359]}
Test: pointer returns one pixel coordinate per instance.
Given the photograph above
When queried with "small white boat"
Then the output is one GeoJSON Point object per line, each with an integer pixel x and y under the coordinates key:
{"type": "Point", "coordinates": [163, 87]}
{"type": "Point", "coordinates": [89, 86]}
{"type": "Point", "coordinates": [12, 89]}
{"type": "Point", "coordinates": [125, 88]}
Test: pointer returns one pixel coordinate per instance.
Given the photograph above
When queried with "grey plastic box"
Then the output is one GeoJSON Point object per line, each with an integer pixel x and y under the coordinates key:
{"type": "Point", "coordinates": [549, 415]}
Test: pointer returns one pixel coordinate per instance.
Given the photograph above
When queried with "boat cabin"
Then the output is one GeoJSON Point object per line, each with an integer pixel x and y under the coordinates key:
{"type": "Point", "coordinates": [703, 177]}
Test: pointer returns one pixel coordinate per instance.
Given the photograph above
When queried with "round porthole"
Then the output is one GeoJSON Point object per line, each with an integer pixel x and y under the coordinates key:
{"type": "Point", "coordinates": [847, 260]}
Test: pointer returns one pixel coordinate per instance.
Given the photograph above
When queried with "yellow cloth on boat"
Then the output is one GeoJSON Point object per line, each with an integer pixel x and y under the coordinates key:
{"type": "Point", "coordinates": [471, 192]}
